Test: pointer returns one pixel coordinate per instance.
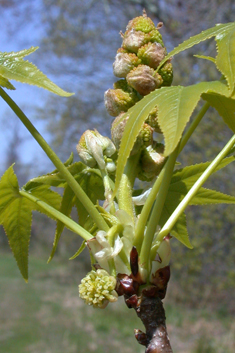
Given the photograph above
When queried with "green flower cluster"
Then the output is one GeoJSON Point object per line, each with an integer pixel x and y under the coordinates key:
{"type": "Point", "coordinates": [136, 64]}
{"type": "Point", "coordinates": [98, 289]}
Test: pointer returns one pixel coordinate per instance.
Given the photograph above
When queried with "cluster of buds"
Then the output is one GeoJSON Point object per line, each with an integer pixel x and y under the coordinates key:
{"type": "Point", "coordinates": [136, 65]}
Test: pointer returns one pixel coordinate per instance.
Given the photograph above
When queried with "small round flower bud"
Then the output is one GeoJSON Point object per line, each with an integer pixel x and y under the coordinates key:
{"type": "Point", "coordinates": [155, 36]}
{"type": "Point", "coordinates": [152, 54]}
{"type": "Point", "coordinates": [166, 72]}
{"type": "Point", "coordinates": [152, 120]}
{"type": "Point", "coordinates": [117, 101]}
{"type": "Point", "coordinates": [146, 135]}
{"type": "Point", "coordinates": [151, 162]}
{"type": "Point", "coordinates": [84, 152]}
{"type": "Point", "coordinates": [117, 129]}
{"type": "Point", "coordinates": [141, 23]}
{"type": "Point", "coordinates": [133, 40]}
{"type": "Point", "coordinates": [98, 289]}
{"type": "Point", "coordinates": [144, 79]}
{"type": "Point", "coordinates": [124, 63]}
{"type": "Point", "coordinates": [92, 147]}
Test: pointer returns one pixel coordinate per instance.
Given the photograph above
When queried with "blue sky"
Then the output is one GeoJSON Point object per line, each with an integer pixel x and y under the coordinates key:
{"type": "Point", "coordinates": [26, 96]}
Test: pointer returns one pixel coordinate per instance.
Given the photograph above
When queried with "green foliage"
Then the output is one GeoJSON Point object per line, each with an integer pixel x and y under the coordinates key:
{"type": "Point", "coordinates": [14, 67]}
{"type": "Point", "coordinates": [16, 215]}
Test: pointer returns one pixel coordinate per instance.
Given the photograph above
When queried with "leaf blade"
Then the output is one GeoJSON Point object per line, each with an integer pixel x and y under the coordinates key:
{"type": "Point", "coordinates": [14, 67]}
{"type": "Point", "coordinates": [219, 29]}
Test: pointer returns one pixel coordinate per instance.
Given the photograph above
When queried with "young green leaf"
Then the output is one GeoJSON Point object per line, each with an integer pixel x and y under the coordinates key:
{"type": "Point", "coordinates": [181, 182]}
{"type": "Point", "coordinates": [209, 58]}
{"type": "Point", "coordinates": [14, 67]}
{"type": "Point", "coordinates": [179, 231]}
{"type": "Point", "coordinates": [5, 83]}
{"type": "Point", "coordinates": [225, 107]}
{"type": "Point", "coordinates": [219, 30]}
{"type": "Point", "coordinates": [80, 250]}
{"type": "Point", "coordinates": [55, 178]}
{"type": "Point", "coordinates": [175, 107]}
{"type": "Point", "coordinates": [43, 193]}
{"type": "Point", "coordinates": [66, 208]}
{"type": "Point", "coordinates": [225, 60]}
{"type": "Point", "coordinates": [16, 218]}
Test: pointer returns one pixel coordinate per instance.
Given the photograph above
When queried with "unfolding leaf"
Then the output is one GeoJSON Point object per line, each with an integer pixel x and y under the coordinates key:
{"type": "Point", "coordinates": [185, 178]}
{"type": "Point", "coordinates": [225, 107]}
{"type": "Point", "coordinates": [66, 207]}
{"type": "Point", "coordinates": [5, 83]}
{"type": "Point", "coordinates": [55, 178]}
{"type": "Point", "coordinates": [209, 197]}
{"type": "Point", "coordinates": [175, 107]}
{"type": "Point", "coordinates": [14, 67]}
{"type": "Point", "coordinates": [209, 58]}
{"type": "Point", "coordinates": [80, 250]}
{"type": "Point", "coordinates": [179, 230]}
{"type": "Point", "coordinates": [181, 182]}
{"type": "Point", "coordinates": [219, 30]}
{"type": "Point", "coordinates": [225, 60]}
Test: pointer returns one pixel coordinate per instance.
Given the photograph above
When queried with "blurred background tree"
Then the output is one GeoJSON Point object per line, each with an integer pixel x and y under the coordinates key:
{"type": "Point", "coordinates": [78, 42]}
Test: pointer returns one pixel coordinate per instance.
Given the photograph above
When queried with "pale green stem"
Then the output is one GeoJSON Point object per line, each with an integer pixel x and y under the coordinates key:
{"type": "Point", "coordinates": [157, 210]}
{"type": "Point", "coordinates": [126, 186]}
{"type": "Point", "coordinates": [193, 191]}
{"type": "Point", "coordinates": [144, 215]}
{"type": "Point", "coordinates": [81, 195]}
{"type": "Point", "coordinates": [68, 222]}
{"type": "Point", "coordinates": [108, 190]}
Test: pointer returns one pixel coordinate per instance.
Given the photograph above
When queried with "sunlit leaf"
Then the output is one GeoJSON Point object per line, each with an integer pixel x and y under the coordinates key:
{"type": "Point", "coordinates": [219, 29]}
{"type": "Point", "coordinates": [14, 67]}
{"type": "Point", "coordinates": [175, 107]}
{"type": "Point", "coordinates": [225, 60]}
